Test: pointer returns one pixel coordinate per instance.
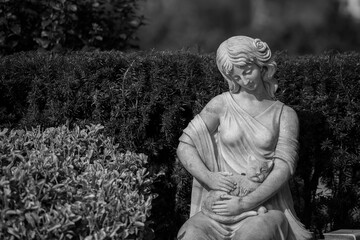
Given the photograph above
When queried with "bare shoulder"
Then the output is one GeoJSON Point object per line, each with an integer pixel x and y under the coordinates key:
{"type": "Point", "coordinates": [215, 105]}
{"type": "Point", "coordinates": [212, 112]}
{"type": "Point", "coordinates": [289, 113]}
{"type": "Point", "coordinates": [289, 120]}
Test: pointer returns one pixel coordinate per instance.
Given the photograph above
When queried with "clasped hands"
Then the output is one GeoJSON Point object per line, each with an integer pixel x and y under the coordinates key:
{"type": "Point", "coordinates": [229, 205]}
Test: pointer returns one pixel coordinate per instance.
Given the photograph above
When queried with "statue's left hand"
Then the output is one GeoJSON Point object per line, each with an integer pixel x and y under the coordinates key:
{"type": "Point", "coordinates": [228, 206]}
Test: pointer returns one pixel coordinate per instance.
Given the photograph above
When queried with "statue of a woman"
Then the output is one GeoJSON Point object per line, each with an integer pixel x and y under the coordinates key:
{"type": "Point", "coordinates": [242, 150]}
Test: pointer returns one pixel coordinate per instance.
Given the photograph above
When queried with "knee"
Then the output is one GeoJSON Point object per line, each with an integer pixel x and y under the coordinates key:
{"type": "Point", "coordinates": [271, 225]}
{"type": "Point", "coordinates": [272, 217]}
{"type": "Point", "coordinates": [276, 222]}
{"type": "Point", "coordinates": [276, 214]}
{"type": "Point", "coordinates": [190, 231]}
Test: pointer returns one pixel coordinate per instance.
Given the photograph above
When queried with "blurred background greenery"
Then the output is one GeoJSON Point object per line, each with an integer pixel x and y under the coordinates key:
{"type": "Point", "coordinates": [295, 26]}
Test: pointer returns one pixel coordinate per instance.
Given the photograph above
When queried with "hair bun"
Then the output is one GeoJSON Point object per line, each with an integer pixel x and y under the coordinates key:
{"type": "Point", "coordinates": [263, 49]}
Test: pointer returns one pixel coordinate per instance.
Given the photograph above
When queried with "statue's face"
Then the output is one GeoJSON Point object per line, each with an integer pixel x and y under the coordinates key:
{"type": "Point", "coordinates": [247, 76]}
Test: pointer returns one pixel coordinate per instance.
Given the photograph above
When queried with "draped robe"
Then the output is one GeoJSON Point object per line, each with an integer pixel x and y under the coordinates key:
{"type": "Point", "coordinates": [239, 136]}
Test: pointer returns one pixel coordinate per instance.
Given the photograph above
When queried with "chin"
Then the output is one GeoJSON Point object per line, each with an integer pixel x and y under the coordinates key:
{"type": "Point", "coordinates": [255, 179]}
{"type": "Point", "coordinates": [252, 88]}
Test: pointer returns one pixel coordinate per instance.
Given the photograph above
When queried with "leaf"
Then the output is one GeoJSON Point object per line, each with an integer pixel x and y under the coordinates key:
{"type": "Point", "coordinates": [16, 29]}
{"type": "Point", "coordinates": [45, 34]}
{"type": "Point", "coordinates": [54, 227]}
{"type": "Point", "coordinates": [44, 23]}
{"type": "Point", "coordinates": [13, 212]}
{"type": "Point", "coordinates": [3, 132]}
{"type": "Point", "coordinates": [90, 196]}
{"type": "Point", "coordinates": [118, 226]}
{"type": "Point", "coordinates": [55, 5]}
{"type": "Point", "coordinates": [139, 224]}
{"type": "Point", "coordinates": [44, 43]}
{"type": "Point", "coordinates": [13, 232]}
{"type": "Point", "coordinates": [29, 219]}
{"type": "Point", "coordinates": [35, 217]}
{"type": "Point", "coordinates": [72, 7]}
{"type": "Point", "coordinates": [3, 182]}
{"type": "Point", "coordinates": [99, 38]}
{"type": "Point", "coordinates": [58, 186]}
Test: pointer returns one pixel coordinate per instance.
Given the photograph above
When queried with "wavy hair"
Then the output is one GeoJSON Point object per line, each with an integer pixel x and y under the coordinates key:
{"type": "Point", "coordinates": [242, 50]}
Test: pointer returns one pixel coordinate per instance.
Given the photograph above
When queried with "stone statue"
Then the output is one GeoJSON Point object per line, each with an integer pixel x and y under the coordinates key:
{"type": "Point", "coordinates": [242, 150]}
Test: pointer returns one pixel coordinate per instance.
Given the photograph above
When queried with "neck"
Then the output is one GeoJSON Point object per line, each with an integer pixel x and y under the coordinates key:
{"type": "Point", "coordinates": [259, 94]}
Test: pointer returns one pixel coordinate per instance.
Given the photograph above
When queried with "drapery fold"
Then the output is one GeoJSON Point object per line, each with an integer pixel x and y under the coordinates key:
{"type": "Point", "coordinates": [204, 143]}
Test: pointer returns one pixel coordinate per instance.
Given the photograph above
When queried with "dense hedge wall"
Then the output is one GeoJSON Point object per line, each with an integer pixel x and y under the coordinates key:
{"type": "Point", "coordinates": [145, 99]}
{"type": "Point", "coordinates": [324, 90]}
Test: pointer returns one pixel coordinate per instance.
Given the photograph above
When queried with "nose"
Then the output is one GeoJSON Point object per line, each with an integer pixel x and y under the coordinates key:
{"type": "Point", "coordinates": [245, 80]}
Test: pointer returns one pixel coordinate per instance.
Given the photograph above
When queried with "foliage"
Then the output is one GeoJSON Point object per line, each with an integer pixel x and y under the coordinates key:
{"type": "Point", "coordinates": [62, 184]}
{"type": "Point", "coordinates": [68, 24]}
{"type": "Point", "coordinates": [145, 99]}
{"type": "Point", "coordinates": [183, 180]}
{"type": "Point", "coordinates": [325, 92]}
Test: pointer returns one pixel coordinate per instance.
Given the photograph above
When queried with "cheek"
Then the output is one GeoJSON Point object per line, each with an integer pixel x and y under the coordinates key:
{"type": "Point", "coordinates": [257, 76]}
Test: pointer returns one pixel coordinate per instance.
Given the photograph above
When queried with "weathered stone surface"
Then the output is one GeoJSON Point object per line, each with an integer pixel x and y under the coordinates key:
{"type": "Point", "coordinates": [242, 150]}
{"type": "Point", "coordinates": [343, 234]}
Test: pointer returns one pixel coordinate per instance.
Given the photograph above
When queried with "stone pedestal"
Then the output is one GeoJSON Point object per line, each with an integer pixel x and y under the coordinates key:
{"type": "Point", "coordinates": [343, 234]}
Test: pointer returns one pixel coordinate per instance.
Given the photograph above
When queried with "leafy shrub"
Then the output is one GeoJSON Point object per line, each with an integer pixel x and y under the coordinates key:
{"type": "Point", "coordinates": [62, 184]}
{"type": "Point", "coordinates": [69, 24]}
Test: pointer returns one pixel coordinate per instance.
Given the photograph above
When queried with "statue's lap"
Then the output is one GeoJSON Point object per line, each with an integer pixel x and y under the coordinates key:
{"type": "Point", "coordinates": [268, 226]}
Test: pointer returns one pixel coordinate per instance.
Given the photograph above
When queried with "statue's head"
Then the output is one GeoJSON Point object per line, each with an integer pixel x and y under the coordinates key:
{"type": "Point", "coordinates": [240, 51]}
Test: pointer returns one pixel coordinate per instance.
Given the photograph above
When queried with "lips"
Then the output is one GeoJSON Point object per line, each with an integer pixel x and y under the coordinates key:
{"type": "Point", "coordinates": [250, 86]}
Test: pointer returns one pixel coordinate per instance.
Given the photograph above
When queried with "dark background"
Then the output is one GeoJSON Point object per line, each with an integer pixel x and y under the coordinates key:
{"type": "Point", "coordinates": [295, 26]}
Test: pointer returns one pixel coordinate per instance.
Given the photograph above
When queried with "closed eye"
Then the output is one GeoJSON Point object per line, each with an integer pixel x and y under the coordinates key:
{"type": "Point", "coordinates": [247, 72]}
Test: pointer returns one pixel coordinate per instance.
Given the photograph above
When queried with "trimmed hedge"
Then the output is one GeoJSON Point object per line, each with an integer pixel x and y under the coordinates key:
{"type": "Point", "coordinates": [145, 99]}
{"type": "Point", "coordinates": [325, 91]}
{"type": "Point", "coordinates": [62, 184]}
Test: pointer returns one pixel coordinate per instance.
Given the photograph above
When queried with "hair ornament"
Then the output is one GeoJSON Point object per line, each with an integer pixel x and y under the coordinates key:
{"type": "Point", "coordinates": [263, 50]}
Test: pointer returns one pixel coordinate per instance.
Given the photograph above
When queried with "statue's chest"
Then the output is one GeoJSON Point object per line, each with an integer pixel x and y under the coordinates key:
{"type": "Point", "coordinates": [238, 132]}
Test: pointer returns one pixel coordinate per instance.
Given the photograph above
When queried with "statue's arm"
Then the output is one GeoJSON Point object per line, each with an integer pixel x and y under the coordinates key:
{"type": "Point", "coordinates": [189, 157]}
{"type": "Point", "coordinates": [281, 173]}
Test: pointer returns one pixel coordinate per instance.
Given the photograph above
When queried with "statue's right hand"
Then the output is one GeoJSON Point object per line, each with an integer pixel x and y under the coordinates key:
{"type": "Point", "coordinates": [221, 181]}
